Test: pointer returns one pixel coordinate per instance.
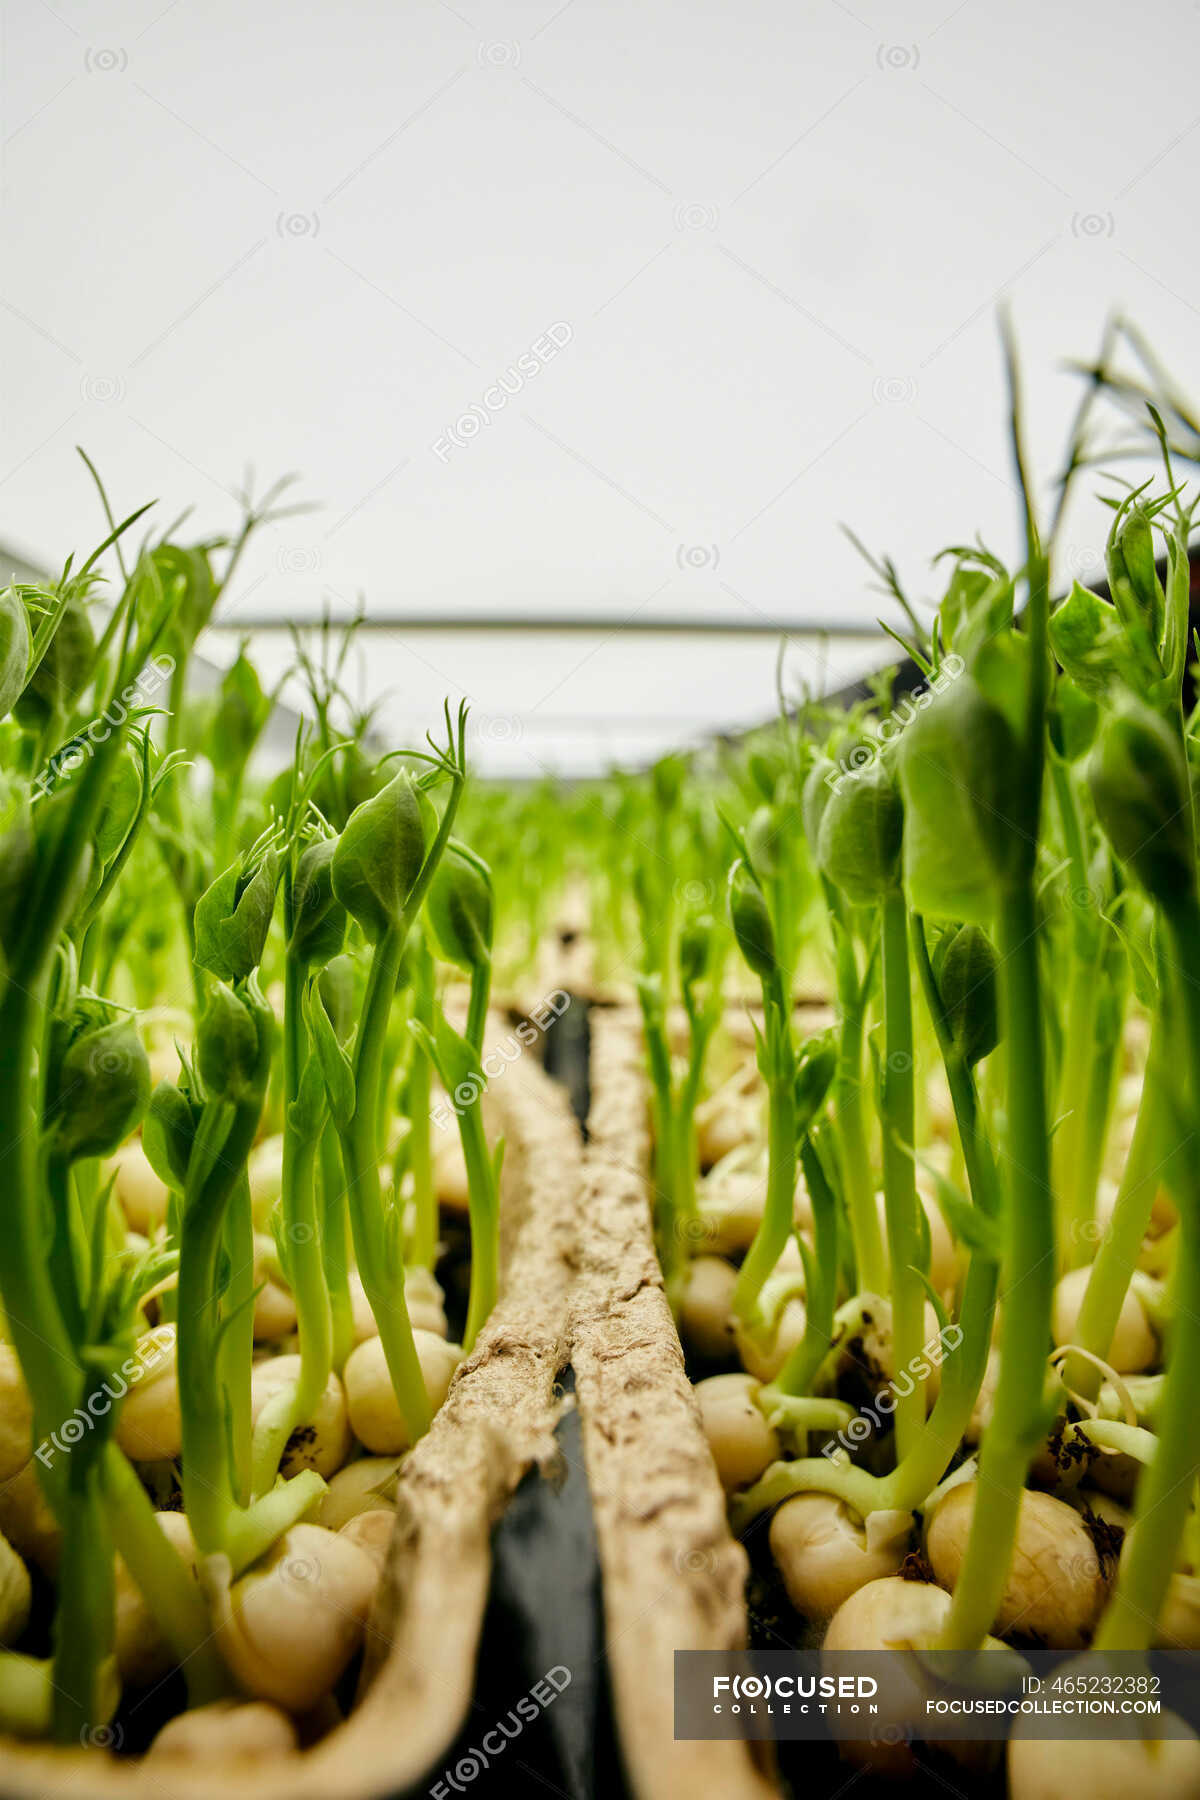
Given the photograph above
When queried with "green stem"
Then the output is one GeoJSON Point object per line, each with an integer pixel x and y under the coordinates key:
{"type": "Point", "coordinates": [223, 1141]}
{"type": "Point", "coordinates": [253, 1529]}
{"type": "Point", "coordinates": [1105, 1077]}
{"type": "Point", "coordinates": [176, 694]}
{"type": "Point", "coordinates": [335, 1256]}
{"type": "Point", "coordinates": [83, 1628]}
{"type": "Point", "coordinates": [775, 1226]}
{"type": "Point", "coordinates": [237, 1339]}
{"type": "Point", "coordinates": [1117, 1256]}
{"type": "Point", "coordinates": [34, 1318]}
{"type": "Point", "coordinates": [420, 1150]}
{"type": "Point", "coordinates": [302, 1229]}
{"type": "Point", "coordinates": [483, 1202]}
{"type": "Point", "coordinates": [293, 1034]}
{"type": "Point", "coordinates": [165, 1582]}
{"type": "Point", "coordinates": [39, 1335]}
{"type": "Point", "coordinates": [780, 889]}
{"type": "Point", "coordinates": [67, 1252]}
{"type": "Point", "coordinates": [1019, 1412]}
{"type": "Point", "coordinates": [1076, 1204]}
{"type": "Point", "coordinates": [662, 1114]}
{"type": "Point", "coordinates": [686, 1156]}
{"type": "Point", "coordinates": [850, 1118]}
{"type": "Point", "coordinates": [218, 1523]}
{"type": "Point", "coordinates": [801, 1413]}
{"type": "Point", "coordinates": [296, 1404]}
{"type": "Point", "coordinates": [918, 1473]}
{"type": "Point", "coordinates": [376, 1248]}
{"type": "Point", "coordinates": [796, 1376]}
{"type": "Point", "coordinates": [48, 1362]}
{"type": "Point", "coordinates": [914, 1478]}
{"type": "Point", "coordinates": [811, 1474]}
{"type": "Point", "coordinates": [1164, 1494]}
{"type": "Point", "coordinates": [477, 1006]}
{"type": "Point", "coordinates": [899, 1173]}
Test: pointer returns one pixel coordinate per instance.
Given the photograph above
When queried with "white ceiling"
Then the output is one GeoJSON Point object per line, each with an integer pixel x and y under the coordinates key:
{"type": "Point", "coordinates": [776, 234]}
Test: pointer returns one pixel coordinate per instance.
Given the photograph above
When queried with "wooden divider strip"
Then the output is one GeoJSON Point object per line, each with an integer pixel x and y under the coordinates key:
{"type": "Point", "coordinates": [674, 1577]}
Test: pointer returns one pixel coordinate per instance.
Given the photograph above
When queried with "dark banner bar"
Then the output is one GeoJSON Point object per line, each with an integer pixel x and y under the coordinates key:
{"type": "Point", "coordinates": [895, 1695]}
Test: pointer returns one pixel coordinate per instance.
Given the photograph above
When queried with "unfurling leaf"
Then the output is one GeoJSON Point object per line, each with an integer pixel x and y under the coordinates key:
{"type": "Point", "coordinates": [379, 856]}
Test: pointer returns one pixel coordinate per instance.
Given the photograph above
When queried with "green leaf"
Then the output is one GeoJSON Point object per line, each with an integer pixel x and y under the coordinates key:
{"type": "Point", "coordinates": [167, 1134]}
{"type": "Point", "coordinates": [336, 1068]}
{"type": "Point", "coordinates": [1001, 673]}
{"type": "Point", "coordinates": [15, 646]}
{"type": "Point", "coordinates": [966, 805]}
{"type": "Point", "coordinates": [763, 771]}
{"type": "Point", "coordinates": [307, 1112]}
{"type": "Point", "coordinates": [751, 921]}
{"type": "Point", "coordinates": [1088, 639]}
{"type": "Point", "coordinates": [965, 966]}
{"type": "Point", "coordinates": [931, 1294]}
{"type": "Point", "coordinates": [1140, 785]}
{"type": "Point", "coordinates": [379, 856]}
{"type": "Point", "coordinates": [763, 840]}
{"type": "Point", "coordinates": [972, 593]}
{"type": "Point", "coordinates": [457, 1066]}
{"type": "Point", "coordinates": [460, 906]}
{"type": "Point", "coordinates": [1131, 569]}
{"type": "Point", "coordinates": [818, 785]}
{"type": "Point", "coordinates": [122, 802]}
{"type": "Point", "coordinates": [816, 1066]}
{"type": "Point", "coordinates": [337, 989]}
{"type": "Point", "coordinates": [697, 948]}
{"type": "Point", "coordinates": [318, 917]}
{"type": "Point", "coordinates": [975, 1230]}
{"type": "Point", "coordinates": [808, 1261]}
{"type": "Point", "coordinates": [1174, 643]}
{"type": "Point", "coordinates": [63, 672]}
{"type": "Point", "coordinates": [1074, 719]}
{"type": "Point", "coordinates": [99, 1084]}
{"type": "Point", "coordinates": [233, 1044]}
{"type": "Point", "coordinates": [861, 834]}
{"type": "Point", "coordinates": [186, 579]}
{"type": "Point", "coordinates": [241, 712]}
{"type": "Point", "coordinates": [667, 777]}
{"type": "Point", "coordinates": [1135, 938]}
{"type": "Point", "coordinates": [233, 917]}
